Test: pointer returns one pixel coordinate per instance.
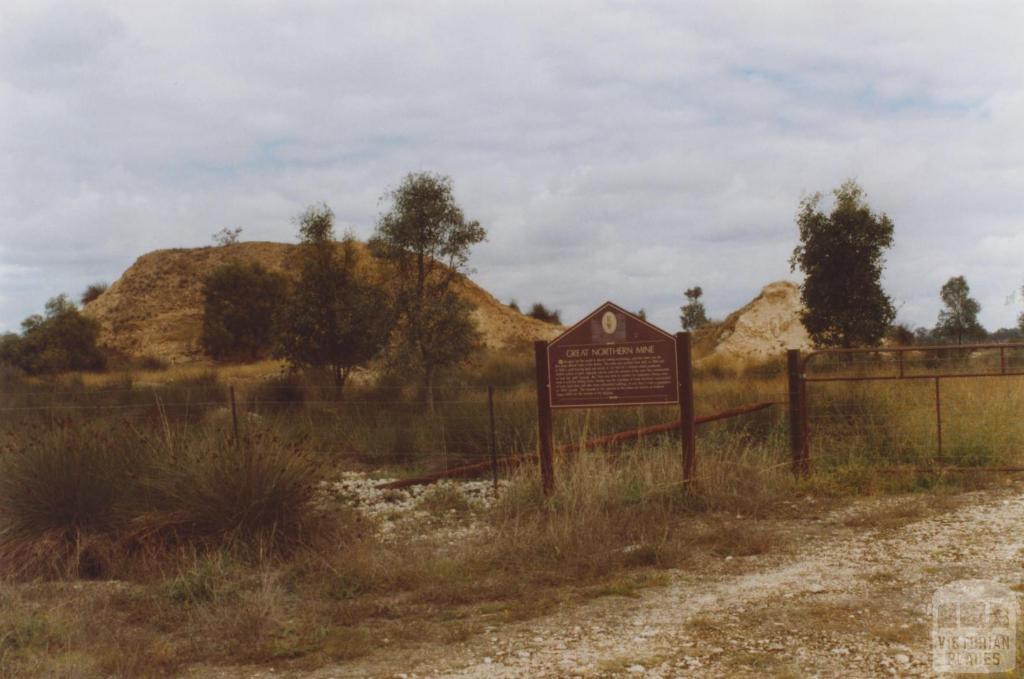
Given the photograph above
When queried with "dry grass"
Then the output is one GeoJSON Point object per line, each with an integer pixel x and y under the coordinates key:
{"type": "Point", "coordinates": [84, 500]}
{"type": "Point", "coordinates": [613, 512]}
{"type": "Point", "coordinates": [616, 521]}
{"type": "Point", "coordinates": [610, 528]}
{"type": "Point", "coordinates": [179, 372]}
{"type": "Point", "coordinates": [903, 511]}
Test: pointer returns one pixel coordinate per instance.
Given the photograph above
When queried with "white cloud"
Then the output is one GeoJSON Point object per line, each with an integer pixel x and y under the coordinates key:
{"type": "Point", "coordinates": [612, 150]}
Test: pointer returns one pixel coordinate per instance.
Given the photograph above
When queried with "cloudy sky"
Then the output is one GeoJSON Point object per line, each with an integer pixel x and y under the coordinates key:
{"type": "Point", "coordinates": [613, 150]}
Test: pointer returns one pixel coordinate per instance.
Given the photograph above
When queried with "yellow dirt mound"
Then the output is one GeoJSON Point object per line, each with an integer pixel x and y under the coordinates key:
{"type": "Point", "coordinates": [764, 328]}
{"type": "Point", "coordinates": [156, 307]}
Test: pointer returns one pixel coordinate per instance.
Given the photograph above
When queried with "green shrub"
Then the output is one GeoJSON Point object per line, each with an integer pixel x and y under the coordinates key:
{"type": "Point", "coordinates": [282, 391]}
{"type": "Point", "coordinates": [542, 313]}
{"type": "Point", "coordinates": [62, 339]}
{"type": "Point", "coordinates": [240, 303]}
{"type": "Point", "coordinates": [93, 291]}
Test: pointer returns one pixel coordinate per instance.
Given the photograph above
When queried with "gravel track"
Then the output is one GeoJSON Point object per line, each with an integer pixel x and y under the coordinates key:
{"type": "Point", "coordinates": [843, 602]}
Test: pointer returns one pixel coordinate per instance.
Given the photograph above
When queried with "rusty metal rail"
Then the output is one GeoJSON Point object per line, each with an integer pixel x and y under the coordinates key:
{"type": "Point", "coordinates": [617, 438]}
{"type": "Point", "coordinates": [900, 366]}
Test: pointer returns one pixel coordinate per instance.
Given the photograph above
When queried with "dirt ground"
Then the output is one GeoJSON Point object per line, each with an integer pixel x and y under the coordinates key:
{"type": "Point", "coordinates": [849, 598]}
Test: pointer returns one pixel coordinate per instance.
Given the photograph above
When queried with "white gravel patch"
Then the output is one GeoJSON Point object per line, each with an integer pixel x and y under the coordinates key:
{"type": "Point", "coordinates": [448, 510]}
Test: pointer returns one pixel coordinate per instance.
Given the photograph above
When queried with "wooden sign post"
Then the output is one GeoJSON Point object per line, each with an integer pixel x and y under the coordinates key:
{"type": "Point", "coordinates": [687, 412]}
{"type": "Point", "coordinates": [547, 470]}
{"type": "Point", "coordinates": [613, 358]}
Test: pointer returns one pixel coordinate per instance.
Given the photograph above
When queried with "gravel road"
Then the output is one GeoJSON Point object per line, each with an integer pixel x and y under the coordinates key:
{"type": "Point", "coordinates": [850, 598]}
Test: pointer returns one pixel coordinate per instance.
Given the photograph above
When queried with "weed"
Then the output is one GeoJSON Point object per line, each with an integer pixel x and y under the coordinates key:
{"type": "Point", "coordinates": [445, 497]}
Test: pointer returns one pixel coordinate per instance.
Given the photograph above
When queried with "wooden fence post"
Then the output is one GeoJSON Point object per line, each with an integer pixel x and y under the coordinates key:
{"type": "Point", "coordinates": [687, 414]}
{"type": "Point", "coordinates": [547, 471]}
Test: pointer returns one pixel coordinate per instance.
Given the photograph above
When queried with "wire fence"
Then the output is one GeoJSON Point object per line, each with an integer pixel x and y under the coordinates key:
{"type": "Point", "coordinates": [951, 405]}
{"type": "Point", "coordinates": [376, 426]}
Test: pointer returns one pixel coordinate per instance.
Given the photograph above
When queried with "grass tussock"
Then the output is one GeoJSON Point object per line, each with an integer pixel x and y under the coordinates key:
{"type": "Point", "coordinates": [610, 512]}
{"type": "Point", "coordinates": [79, 501]}
{"type": "Point", "coordinates": [255, 492]}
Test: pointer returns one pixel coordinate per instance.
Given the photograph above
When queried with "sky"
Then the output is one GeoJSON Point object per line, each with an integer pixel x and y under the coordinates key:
{"type": "Point", "coordinates": [613, 150]}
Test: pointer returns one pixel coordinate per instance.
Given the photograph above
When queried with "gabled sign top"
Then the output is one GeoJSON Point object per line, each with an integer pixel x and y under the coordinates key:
{"type": "Point", "coordinates": [612, 358]}
{"type": "Point", "coordinates": [610, 324]}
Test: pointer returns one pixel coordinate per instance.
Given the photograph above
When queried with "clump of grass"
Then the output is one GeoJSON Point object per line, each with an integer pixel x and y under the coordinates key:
{"type": "Point", "coordinates": [151, 363]}
{"type": "Point", "coordinates": [443, 498]}
{"type": "Point", "coordinates": [613, 512]}
{"type": "Point", "coordinates": [200, 583]}
{"type": "Point", "coordinates": [212, 490]}
{"type": "Point", "coordinates": [78, 501]}
{"type": "Point", "coordinates": [11, 377]}
{"type": "Point", "coordinates": [62, 492]}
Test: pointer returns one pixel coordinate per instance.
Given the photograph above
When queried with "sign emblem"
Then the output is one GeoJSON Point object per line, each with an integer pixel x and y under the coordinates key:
{"type": "Point", "coordinates": [609, 323]}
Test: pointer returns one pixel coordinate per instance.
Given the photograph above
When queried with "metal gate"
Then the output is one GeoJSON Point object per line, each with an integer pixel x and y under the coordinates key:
{"type": "Point", "coordinates": [952, 405]}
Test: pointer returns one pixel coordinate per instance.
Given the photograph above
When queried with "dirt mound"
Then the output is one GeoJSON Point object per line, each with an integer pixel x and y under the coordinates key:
{"type": "Point", "coordinates": [156, 307]}
{"type": "Point", "coordinates": [764, 328]}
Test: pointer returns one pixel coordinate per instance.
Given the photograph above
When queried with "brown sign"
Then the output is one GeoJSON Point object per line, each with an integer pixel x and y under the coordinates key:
{"type": "Point", "coordinates": [612, 358]}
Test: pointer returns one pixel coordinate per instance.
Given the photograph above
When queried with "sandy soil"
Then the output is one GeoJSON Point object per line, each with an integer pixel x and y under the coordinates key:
{"type": "Point", "coordinates": [763, 328]}
{"type": "Point", "coordinates": [156, 307]}
{"type": "Point", "coordinates": [849, 599]}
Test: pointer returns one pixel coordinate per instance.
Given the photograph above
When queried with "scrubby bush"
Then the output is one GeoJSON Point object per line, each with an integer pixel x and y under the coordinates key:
{"type": "Point", "coordinates": [901, 335]}
{"type": "Point", "coordinates": [542, 313]}
{"type": "Point", "coordinates": [150, 362]}
{"type": "Point", "coordinates": [280, 391]}
{"type": "Point", "coordinates": [10, 346]}
{"type": "Point", "coordinates": [240, 303]}
{"type": "Point", "coordinates": [93, 291]}
{"type": "Point", "coordinates": [227, 236]}
{"type": "Point", "coordinates": [62, 339]}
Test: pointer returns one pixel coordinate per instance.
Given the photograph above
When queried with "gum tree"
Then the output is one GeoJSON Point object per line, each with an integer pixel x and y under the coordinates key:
{"type": "Point", "coordinates": [959, 316]}
{"type": "Point", "coordinates": [425, 239]}
{"type": "Point", "coordinates": [692, 314]}
{"type": "Point", "coordinates": [842, 256]}
{"type": "Point", "coordinates": [333, 318]}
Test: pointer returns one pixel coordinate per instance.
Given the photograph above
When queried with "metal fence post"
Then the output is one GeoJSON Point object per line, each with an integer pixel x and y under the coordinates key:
{"type": "Point", "coordinates": [547, 471]}
{"type": "Point", "coordinates": [494, 443]}
{"type": "Point", "coordinates": [796, 434]}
